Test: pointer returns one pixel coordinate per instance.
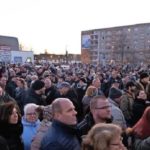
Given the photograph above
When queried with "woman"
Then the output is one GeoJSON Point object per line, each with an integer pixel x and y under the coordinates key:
{"type": "Point", "coordinates": [103, 137]}
{"type": "Point", "coordinates": [10, 125]}
{"type": "Point", "coordinates": [30, 123]}
{"type": "Point", "coordinates": [89, 94]}
{"type": "Point", "coordinates": [139, 105]}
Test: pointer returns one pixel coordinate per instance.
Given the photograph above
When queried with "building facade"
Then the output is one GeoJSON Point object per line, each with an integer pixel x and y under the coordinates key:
{"type": "Point", "coordinates": [124, 44]}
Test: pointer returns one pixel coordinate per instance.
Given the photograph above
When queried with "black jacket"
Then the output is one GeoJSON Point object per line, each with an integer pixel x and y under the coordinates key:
{"type": "Point", "coordinates": [32, 97]}
{"type": "Point", "coordinates": [12, 134]}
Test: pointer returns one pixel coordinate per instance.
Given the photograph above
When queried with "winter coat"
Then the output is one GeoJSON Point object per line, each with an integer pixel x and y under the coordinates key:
{"type": "Point", "coordinates": [29, 131]}
{"type": "Point", "coordinates": [36, 142]}
{"type": "Point", "coordinates": [60, 137]}
{"type": "Point", "coordinates": [12, 134]}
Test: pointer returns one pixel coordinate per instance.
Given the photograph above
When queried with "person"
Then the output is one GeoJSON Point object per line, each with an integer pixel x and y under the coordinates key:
{"type": "Point", "coordinates": [89, 94]}
{"type": "Point", "coordinates": [44, 126]}
{"type": "Point", "coordinates": [50, 91]}
{"type": "Point", "coordinates": [139, 105]}
{"type": "Point", "coordinates": [66, 91]}
{"type": "Point", "coordinates": [10, 125]}
{"type": "Point", "coordinates": [141, 132]}
{"type": "Point", "coordinates": [100, 112]}
{"type": "Point", "coordinates": [115, 99]}
{"type": "Point", "coordinates": [3, 144]}
{"type": "Point", "coordinates": [103, 137]}
{"type": "Point", "coordinates": [34, 93]}
{"type": "Point", "coordinates": [62, 133]}
{"type": "Point", "coordinates": [144, 84]}
{"type": "Point", "coordinates": [141, 128]}
{"type": "Point", "coordinates": [20, 92]}
{"type": "Point", "coordinates": [4, 97]}
{"type": "Point", "coordinates": [126, 103]}
{"type": "Point", "coordinates": [30, 123]}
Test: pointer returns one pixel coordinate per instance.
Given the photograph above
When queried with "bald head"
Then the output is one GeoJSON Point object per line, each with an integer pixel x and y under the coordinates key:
{"type": "Point", "coordinates": [64, 111]}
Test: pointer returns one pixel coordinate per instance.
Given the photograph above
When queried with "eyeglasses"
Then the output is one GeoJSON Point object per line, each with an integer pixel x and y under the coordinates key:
{"type": "Point", "coordinates": [103, 107]}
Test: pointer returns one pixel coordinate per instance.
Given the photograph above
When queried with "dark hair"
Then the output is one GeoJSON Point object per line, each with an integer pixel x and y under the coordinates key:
{"type": "Point", "coordinates": [6, 110]}
{"type": "Point", "coordinates": [129, 84]}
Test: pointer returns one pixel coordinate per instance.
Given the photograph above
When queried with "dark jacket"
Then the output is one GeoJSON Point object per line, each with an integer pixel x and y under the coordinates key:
{"type": "Point", "coordinates": [12, 134]}
{"type": "Point", "coordinates": [140, 144]}
{"type": "Point", "coordinates": [32, 97]}
{"type": "Point", "coordinates": [3, 143]}
{"type": "Point", "coordinates": [5, 98]}
{"type": "Point", "coordinates": [139, 106]}
{"type": "Point", "coordinates": [50, 94]}
{"type": "Point", "coordinates": [60, 137]}
{"type": "Point", "coordinates": [85, 125]}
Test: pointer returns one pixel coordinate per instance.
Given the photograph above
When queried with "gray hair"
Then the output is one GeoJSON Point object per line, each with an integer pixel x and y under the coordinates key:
{"type": "Point", "coordinates": [29, 106]}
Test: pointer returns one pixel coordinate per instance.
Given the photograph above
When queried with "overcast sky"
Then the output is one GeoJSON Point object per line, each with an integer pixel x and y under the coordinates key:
{"type": "Point", "coordinates": [56, 25]}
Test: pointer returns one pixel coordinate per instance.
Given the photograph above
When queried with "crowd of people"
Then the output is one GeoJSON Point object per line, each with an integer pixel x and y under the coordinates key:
{"type": "Point", "coordinates": [84, 107]}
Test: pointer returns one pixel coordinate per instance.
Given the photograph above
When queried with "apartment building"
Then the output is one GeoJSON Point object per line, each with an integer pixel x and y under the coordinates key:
{"type": "Point", "coordinates": [124, 44]}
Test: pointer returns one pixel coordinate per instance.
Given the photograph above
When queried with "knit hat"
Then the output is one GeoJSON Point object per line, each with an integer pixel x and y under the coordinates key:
{"type": "Point", "coordinates": [114, 93]}
{"type": "Point", "coordinates": [144, 75]}
{"type": "Point", "coordinates": [37, 85]}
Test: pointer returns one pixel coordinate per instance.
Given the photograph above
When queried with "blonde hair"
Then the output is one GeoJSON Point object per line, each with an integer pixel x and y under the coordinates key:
{"type": "Point", "coordinates": [91, 91]}
{"type": "Point", "coordinates": [100, 137]}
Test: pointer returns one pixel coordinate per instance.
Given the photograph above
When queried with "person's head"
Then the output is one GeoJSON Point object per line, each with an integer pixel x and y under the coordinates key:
{"type": "Point", "coordinates": [21, 83]}
{"type": "Point", "coordinates": [30, 113]}
{"type": "Point", "coordinates": [100, 109]}
{"type": "Point", "coordinates": [63, 88]}
{"type": "Point", "coordinates": [103, 137]}
{"type": "Point", "coordinates": [64, 111]}
{"type": "Point", "coordinates": [130, 86]}
{"type": "Point", "coordinates": [91, 91]}
{"type": "Point", "coordinates": [141, 95]}
{"type": "Point", "coordinates": [144, 77]}
{"type": "Point", "coordinates": [47, 82]}
{"type": "Point", "coordinates": [46, 112]}
{"type": "Point", "coordinates": [10, 113]}
{"type": "Point", "coordinates": [34, 77]}
{"type": "Point", "coordinates": [38, 86]}
{"type": "Point", "coordinates": [3, 81]}
{"type": "Point", "coordinates": [115, 94]}
{"type": "Point", "coordinates": [114, 73]}
{"type": "Point", "coordinates": [96, 82]}
{"type": "Point", "coordinates": [141, 128]}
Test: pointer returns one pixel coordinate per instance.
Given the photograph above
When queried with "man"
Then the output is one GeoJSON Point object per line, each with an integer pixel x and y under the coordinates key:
{"type": "Point", "coordinates": [66, 91]}
{"type": "Point", "coordinates": [34, 94]}
{"type": "Point", "coordinates": [62, 134]}
{"type": "Point", "coordinates": [100, 112]}
{"type": "Point", "coordinates": [115, 99]}
{"type": "Point", "coordinates": [127, 100]}
{"type": "Point", "coordinates": [50, 91]}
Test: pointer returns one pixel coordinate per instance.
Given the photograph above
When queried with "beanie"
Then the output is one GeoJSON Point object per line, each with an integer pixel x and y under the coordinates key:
{"type": "Point", "coordinates": [144, 75]}
{"type": "Point", "coordinates": [37, 85]}
{"type": "Point", "coordinates": [114, 93]}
